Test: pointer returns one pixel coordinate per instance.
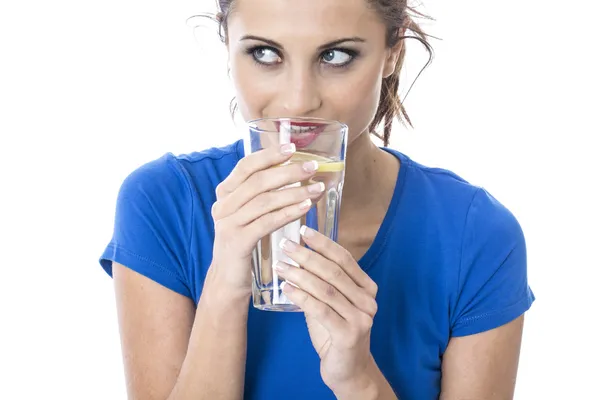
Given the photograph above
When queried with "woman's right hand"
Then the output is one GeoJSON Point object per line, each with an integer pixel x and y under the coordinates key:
{"type": "Point", "coordinates": [249, 206]}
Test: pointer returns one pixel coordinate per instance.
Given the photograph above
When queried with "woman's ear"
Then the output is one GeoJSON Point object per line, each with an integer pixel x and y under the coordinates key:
{"type": "Point", "coordinates": [220, 17]}
{"type": "Point", "coordinates": [393, 55]}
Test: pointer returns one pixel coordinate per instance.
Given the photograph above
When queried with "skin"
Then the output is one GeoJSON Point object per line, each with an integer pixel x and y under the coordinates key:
{"type": "Point", "coordinates": [299, 83]}
{"type": "Point", "coordinates": [166, 341]}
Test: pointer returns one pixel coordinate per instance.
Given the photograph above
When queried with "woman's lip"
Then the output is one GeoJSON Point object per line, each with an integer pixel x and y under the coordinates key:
{"type": "Point", "coordinates": [302, 139]}
{"type": "Point", "coordinates": [298, 124]}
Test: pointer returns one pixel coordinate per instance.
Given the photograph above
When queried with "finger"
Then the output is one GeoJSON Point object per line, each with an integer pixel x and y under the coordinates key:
{"type": "Point", "coordinates": [318, 310]}
{"type": "Point", "coordinates": [340, 256]}
{"type": "Point", "coordinates": [271, 201]}
{"type": "Point", "coordinates": [331, 273]}
{"type": "Point", "coordinates": [319, 289]}
{"type": "Point", "coordinates": [252, 163]}
{"type": "Point", "coordinates": [262, 182]}
{"type": "Point", "coordinates": [272, 221]}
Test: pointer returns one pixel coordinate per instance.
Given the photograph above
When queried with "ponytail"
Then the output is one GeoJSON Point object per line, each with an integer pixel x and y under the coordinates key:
{"type": "Point", "coordinates": [390, 104]}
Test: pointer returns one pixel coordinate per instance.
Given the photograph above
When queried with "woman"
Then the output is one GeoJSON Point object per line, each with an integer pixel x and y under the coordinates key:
{"type": "Point", "coordinates": [423, 295]}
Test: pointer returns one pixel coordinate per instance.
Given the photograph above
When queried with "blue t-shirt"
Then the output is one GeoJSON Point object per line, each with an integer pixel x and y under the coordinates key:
{"type": "Point", "coordinates": [449, 260]}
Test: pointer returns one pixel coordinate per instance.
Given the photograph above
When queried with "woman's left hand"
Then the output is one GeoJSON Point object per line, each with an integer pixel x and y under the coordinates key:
{"type": "Point", "coordinates": [338, 299]}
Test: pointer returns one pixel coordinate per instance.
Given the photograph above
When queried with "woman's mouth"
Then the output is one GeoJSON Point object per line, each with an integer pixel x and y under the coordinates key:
{"type": "Point", "coordinates": [302, 134]}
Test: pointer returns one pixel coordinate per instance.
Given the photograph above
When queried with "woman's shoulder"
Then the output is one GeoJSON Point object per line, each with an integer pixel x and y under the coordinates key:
{"type": "Point", "coordinates": [429, 173]}
{"type": "Point", "coordinates": [430, 186]}
{"type": "Point", "coordinates": [443, 195]}
{"type": "Point", "coordinates": [179, 184]}
{"type": "Point", "coordinates": [160, 205]}
{"type": "Point", "coordinates": [227, 153]}
{"type": "Point", "coordinates": [198, 168]}
{"type": "Point", "coordinates": [450, 222]}
{"type": "Point", "coordinates": [209, 167]}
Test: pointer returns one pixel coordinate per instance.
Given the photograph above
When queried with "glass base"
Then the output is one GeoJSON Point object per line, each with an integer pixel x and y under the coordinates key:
{"type": "Point", "coordinates": [268, 300]}
{"type": "Point", "coordinates": [278, 307]}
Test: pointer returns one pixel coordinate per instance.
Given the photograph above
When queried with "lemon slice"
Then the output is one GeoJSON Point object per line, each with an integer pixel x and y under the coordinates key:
{"type": "Point", "coordinates": [331, 166]}
{"type": "Point", "coordinates": [325, 164]}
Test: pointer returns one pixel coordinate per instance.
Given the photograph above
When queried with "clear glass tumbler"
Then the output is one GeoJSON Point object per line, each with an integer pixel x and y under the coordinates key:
{"type": "Point", "coordinates": [315, 139]}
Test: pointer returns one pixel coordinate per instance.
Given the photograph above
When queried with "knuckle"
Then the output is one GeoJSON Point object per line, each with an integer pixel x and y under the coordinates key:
{"type": "Point", "coordinates": [281, 215]}
{"type": "Point", "coordinates": [306, 257]}
{"type": "Point", "coordinates": [287, 213]}
{"type": "Point", "coordinates": [347, 258]}
{"type": "Point", "coordinates": [373, 288]}
{"type": "Point", "coordinates": [337, 273]}
{"type": "Point", "coordinates": [259, 180]}
{"type": "Point", "coordinates": [330, 290]}
{"type": "Point", "coordinates": [270, 220]}
{"type": "Point", "coordinates": [260, 183]}
{"type": "Point", "coordinates": [215, 211]}
{"type": "Point", "coordinates": [220, 190]}
{"type": "Point", "coordinates": [262, 202]}
{"type": "Point", "coordinates": [254, 179]}
{"type": "Point", "coordinates": [278, 218]}
{"type": "Point", "coordinates": [303, 298]}
{"type": "Point", "coordinates": [372, 306]}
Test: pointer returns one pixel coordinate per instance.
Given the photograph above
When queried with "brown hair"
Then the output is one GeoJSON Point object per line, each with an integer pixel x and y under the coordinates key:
{"type": "Point", "coordinates": [399, 18]}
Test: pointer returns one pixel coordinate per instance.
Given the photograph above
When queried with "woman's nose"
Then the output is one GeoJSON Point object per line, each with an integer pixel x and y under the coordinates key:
{"type": "Point", "coordinates": [300, 96]}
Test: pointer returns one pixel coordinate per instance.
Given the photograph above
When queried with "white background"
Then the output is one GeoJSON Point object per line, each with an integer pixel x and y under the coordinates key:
{"type": "Point", "coordinates": [91, 90]}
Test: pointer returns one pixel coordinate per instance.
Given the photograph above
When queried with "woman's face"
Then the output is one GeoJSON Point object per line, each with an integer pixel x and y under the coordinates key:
{"type": "Point", "coordinates": [309, 58]}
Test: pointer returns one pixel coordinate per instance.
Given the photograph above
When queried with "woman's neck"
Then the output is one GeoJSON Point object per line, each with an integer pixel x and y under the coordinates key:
{"type": "Point", "coordinates": [371, 175]}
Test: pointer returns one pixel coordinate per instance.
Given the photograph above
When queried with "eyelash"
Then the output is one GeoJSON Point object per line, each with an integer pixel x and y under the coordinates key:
{"type": "Point", "coordinates": [352, 53]}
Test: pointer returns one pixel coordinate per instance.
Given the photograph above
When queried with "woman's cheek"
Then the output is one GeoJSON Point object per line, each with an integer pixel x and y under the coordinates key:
{"type": "Point", "coordinates": [251, 91]}
{"type": "Point", "coordinates": [359, 101]}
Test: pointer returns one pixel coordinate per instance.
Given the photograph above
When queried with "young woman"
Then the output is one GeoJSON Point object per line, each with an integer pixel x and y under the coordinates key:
{"type": "Point", "coordinates": [421, 298]}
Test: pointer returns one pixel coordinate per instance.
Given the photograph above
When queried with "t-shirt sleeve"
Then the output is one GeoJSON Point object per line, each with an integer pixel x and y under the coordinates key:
{"type": "Point", "coordinates": [152, 225]}
{"type": "Point", "coordinates": [492, 280]}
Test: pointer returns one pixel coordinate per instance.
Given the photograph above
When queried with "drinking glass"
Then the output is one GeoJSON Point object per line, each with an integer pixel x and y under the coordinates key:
{"type": "Point", "coordinates": [316, 139]}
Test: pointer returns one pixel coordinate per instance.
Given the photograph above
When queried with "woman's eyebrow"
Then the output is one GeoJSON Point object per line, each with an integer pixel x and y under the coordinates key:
{"type": "Point", "coordinates": [322, 47]}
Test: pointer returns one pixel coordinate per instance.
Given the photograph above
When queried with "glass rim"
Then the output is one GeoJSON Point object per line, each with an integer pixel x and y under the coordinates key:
{"type": "Point", "coordinates": [331, 124]}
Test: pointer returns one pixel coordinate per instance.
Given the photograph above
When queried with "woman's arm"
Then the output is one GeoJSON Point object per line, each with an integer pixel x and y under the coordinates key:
{"type": "Point", "coordinates": [483, 366]}
{"type": "Point", "coordinates": [172, 350]}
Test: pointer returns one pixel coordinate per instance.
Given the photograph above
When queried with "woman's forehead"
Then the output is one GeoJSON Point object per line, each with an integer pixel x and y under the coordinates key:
{"type": "Point", "coordinates": [304, 19]}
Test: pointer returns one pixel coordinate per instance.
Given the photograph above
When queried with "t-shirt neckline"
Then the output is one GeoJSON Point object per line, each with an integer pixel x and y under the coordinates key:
{"type": "Point", "coordinates": [378, 245]}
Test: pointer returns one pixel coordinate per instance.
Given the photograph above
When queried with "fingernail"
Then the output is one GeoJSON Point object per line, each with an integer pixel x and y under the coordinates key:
{"type": "Point", "coordinates": [310, 166]}
{"type": "Point", "coordinates": [280, 267]}
{"type": "Point", "coordinates": [306, 231]}
{"type": "Point", "coordinates": [316, 187]}
{"type": "Point", "coordinates": [305, 204]}
{"type": "Point", "coordinates": [288, 148]}
{"type": "Point", "coordinates": [286, 244]}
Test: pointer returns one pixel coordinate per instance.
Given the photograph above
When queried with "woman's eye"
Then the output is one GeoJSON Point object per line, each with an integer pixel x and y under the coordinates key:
{"type": "Point", "coordinates": [268, 56]}
{"type": "Point", "coordinates": [337, 58]}
{"type": "Point", "coordinates": [264, 55]}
